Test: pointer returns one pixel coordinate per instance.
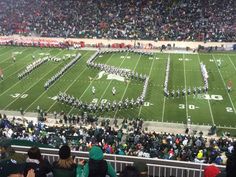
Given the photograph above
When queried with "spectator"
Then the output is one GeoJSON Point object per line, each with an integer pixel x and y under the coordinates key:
{"type": "Point", "coordinates": [231, 163]}
{"type": "Point", "coordinates": [7, 152]}
{"type": "Point", "coordinates": [96, 166]}
{"type": "Point", "coordinates": [65, 166]}
{"type": "Point", "coordinates": [211, 171]}
{"type": "Point", "coordinates": [12, 168]}
{"type": "Point", "coordinates": [191, 20]}
{"type": "Point", "coordinates": [35, 161]}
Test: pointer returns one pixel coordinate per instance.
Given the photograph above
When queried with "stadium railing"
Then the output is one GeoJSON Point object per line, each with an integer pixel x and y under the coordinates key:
{"type": "Point", "coordinates": [156, 167]}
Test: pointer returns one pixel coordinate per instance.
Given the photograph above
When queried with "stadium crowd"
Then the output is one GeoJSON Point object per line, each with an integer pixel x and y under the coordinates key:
{"type": "Point", "coordinates": [129, 138]}
{"type": "Point", "coordinates": [86, 133]}
{"type": "Point", "coordinates": [192, 20]}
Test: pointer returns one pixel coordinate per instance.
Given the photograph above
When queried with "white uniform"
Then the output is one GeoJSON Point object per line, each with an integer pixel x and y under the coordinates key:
{"type": "Point", "coordinates": [219, 63]}
{"type": "Point", "coordinates": [93, 90]}
{"type": "Point", "coordinates": [113, 90]}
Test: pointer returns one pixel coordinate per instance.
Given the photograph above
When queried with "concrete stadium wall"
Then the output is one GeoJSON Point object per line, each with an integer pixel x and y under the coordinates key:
{"type": "Point", "coordinates": [106, 42]}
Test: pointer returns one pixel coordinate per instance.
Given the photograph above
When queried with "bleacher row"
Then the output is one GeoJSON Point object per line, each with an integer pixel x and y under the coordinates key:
{"type": "Point", "coordinates": [156, 167]}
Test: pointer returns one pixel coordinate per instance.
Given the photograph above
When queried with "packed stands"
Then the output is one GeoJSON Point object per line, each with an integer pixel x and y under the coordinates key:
{"type": "Point", "coordinates": [129, 142]}
{"type": "Point", "coordinates": [192, 20]}
{"type": "Point", "coordinates": [129, 138]}
{"type": "Point", "coordinates": [125, 144]}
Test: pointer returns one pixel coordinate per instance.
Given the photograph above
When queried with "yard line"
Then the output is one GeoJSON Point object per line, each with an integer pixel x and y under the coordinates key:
{"type": "Point", "coordinates": [13, 74]}
{"type": "Point", "coordinates": [90, 84]}
{"type": "Point", "coordinates": [209, 104]}
{"type": "Point", "coordinates": [163, 109]}
{"type": "Point", "coordinates": [10, 57]}
{"type": "Point", "coordinates": [231, 62]}
{"type": "Point", "coordinates": [186, 99]}
{"type": "Point", "coordinates": [140, 109]}
{"type": "Point", "coordinates": [45, 91]}
{"type": "Point", "coordinates": [33, 84]}
{"type": "Point", "coordinates": [21, 67]}
{"type": "Point", "coordinates": [4, 53]}
{"type": "Point", "coordinates": [127, 85]}
{"type": "Point", "coordinates": [111, 79]}
{"type": "Point", "coordinates": [231, 128]}
{"type": "Point", "coordinates": [164, 101]}
{"type": "Point", "coordinates": [224, 84]}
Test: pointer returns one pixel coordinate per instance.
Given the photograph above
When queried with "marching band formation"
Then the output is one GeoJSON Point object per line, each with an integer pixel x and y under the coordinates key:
{"type": "Point", "coordinates": [32, 66]}
{"type": "Point", "coordinates": [59, 74]}
{"type": "Point", "coordinates": [126, 50]}
{"type": "Point", "coordinates": [184, 91]}
{"type": "Point", "coordinates": [107, 106]}
{"type": "Point", "coordinates": [205, 76]}
{"type": "Point", "coordinates": [101, 106]}
{"type": "Point", "coordinates": [166, 92]}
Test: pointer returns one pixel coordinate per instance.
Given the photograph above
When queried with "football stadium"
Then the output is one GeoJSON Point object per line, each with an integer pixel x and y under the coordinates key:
{"type": "Point", "coordinates": [117, 88]}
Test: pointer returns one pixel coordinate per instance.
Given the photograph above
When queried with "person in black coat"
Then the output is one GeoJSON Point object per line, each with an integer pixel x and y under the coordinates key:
{"type": "Point", "coordinates": [231, 163]}
{"type": "Point", "coordinates": [35, 161]}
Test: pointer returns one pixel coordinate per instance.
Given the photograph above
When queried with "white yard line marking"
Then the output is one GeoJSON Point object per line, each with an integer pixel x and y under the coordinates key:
{"type": "Point", "coordinates": [209, 104]}
{"type": "Point", "coordinates": [12, 61]}
{"type": "Point", "coordinates": [13, 74]}
{"type": "Point", "coordinates": [90, 84]}
{"type": "Point", "coordinates": [7, 57]}
{"type": "Point", "coordinates": [150, 71]}
{"type": "Point", "coordinates": [186, 99]}
{"type": "Point", "coordinates": [224, 84]}
{"type": "Point", "coordinates": [232, 62]}
{"type": "Point", "coordinates": [164, 102]}
{"type": "Point", "coordinates": [163, 109]}
{"type": "Point", "coordinates": [33, 84]}
{"type": "Point", "coordinates": [127, 86]}
{"type": "Point", "coordinates": [231, 128]}
{"type": "Point", "coordinates": [45, 91]}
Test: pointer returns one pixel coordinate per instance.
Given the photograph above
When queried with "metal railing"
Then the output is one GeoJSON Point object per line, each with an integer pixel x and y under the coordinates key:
{"type": "Point", "coordinates": [156, 167]}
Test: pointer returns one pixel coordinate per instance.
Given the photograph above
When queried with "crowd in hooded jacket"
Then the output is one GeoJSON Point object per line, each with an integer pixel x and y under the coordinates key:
{"type": "Point", "coordinates": [192, 20]}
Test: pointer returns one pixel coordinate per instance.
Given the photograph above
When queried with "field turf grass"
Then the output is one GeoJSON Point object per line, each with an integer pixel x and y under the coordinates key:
{"type": "Point", "coordinates": [29, 92]}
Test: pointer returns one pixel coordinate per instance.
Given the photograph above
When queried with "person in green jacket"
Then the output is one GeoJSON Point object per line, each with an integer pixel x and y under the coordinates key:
{"type": "Point", "coordinates": [96, 165]}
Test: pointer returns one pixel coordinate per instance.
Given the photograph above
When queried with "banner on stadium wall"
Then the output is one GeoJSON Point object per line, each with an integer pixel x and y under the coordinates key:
{"type": "Point", "coordinates": [229, 46]}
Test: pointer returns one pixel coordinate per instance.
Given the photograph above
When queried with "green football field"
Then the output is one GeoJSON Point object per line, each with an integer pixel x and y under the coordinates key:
{"type": "Point", "coordinates": [218, 106]}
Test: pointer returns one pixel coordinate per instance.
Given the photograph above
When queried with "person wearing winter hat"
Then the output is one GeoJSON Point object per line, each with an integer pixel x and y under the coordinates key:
{"type": "Point", "coordinates": [65, 166]}
{"type": "Point", "coordinates": [211, 171]}
{"type": "Point", "coordinates": [96, 166]}
{"type": "Point", "coordinates": [35, 161]}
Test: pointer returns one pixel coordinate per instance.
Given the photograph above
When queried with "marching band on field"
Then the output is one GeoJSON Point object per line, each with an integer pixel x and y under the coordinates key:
{"type": "Point", "coordinates": [117, 71]}
{"type": "Point", "coordinates": [61, 72]}
{"type": "Point", "coordinates": [32, 66]}
{"type": "Point", "coordinates": [102, 106]}
{"type": "Point", "coordinates": [194, 91]}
